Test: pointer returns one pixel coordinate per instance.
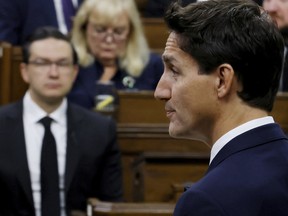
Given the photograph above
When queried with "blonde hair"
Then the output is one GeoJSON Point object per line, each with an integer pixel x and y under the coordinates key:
{"type": "Point", "coordinates": [135, 56]}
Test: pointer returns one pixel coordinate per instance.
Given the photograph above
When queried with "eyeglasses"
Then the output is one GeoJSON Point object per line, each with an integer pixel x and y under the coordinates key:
{"type": "Point", "coordinates": [47, 65]}
{"type": "Point", "coordinates": [102, 32]}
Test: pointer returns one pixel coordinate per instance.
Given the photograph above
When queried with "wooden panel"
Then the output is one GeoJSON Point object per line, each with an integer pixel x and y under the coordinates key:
{"type": "Point", "coordinates": [280, 110]}
{"type": "Point", "coordinates": [156, 33]}
{"type": "Point", "coordinates": [136, 140]}
{"type": "Point", "coordinates": [140, 107]}
{"type": "Point", "coordinates": [156, 173]}
{"type": "Point", "coordinates": [98, 208]}
{"type": "Point", "coordinates": [12, 86]}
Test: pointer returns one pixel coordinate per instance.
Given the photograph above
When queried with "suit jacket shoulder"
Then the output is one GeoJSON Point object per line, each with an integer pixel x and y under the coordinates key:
{"type": "Point", "coordinates": [249, 176]}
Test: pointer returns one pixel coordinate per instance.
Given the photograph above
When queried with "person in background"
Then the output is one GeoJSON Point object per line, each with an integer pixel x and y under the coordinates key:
{"type": "Point", "coordinates": [157, 8]}
{"type": "Point", "coordinates": [82, 158]}
{"type": "Point", "coordinates": [223, 61]}
{"type": "Point", "coordinates": [278, 10]}
{"type": "Point", "coordinates": [19, 18]}
{"type": "Point", "coordinates": [112, 47]}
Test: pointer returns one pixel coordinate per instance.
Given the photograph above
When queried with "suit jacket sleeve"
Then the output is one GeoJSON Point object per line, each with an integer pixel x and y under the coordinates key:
{"type": "Point", "coordinates": [197, 203]}
{"type": "Point", "coordinates": [110, 182]}
{"type": "Point", "coordinates": [10, 17]}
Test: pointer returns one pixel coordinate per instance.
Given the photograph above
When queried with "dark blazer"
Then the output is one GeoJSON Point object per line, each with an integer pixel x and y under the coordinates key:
{"type": "Point", "coordinates": [157, 8]}
{"type": "Point", "coordinates": [93, 166]}
{"type": "Point", "coordinates": [248, 177]}
{"type": "Point", "coordinates": [84, 88]}
{"type": "Point", "coordinates": [19, 18]}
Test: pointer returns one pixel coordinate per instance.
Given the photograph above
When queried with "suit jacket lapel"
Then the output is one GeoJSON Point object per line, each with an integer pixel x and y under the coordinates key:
{"type": "Point", "coordinates": [250, 139]}
{"type": "Point", "coordinates": [72, 155]}
{"type": "Point", "coordinates": [15, 126]}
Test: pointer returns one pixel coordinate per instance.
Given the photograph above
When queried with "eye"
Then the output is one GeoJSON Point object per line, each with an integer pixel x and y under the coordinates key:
{"type": "Point", "coordinates": [99, 29]}
{"type": "Point", "coordinates": [119, 31]}
{"type": "Point", "coordinates": [40, 62]}
{"type": "Point", "coordinates": [174, 72]}
{"type": "Point", "coordinates": [63, 64]}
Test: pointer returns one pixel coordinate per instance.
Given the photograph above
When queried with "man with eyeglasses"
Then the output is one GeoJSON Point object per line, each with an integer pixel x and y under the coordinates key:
{"type": "Point", "coordinates": [54, 155]}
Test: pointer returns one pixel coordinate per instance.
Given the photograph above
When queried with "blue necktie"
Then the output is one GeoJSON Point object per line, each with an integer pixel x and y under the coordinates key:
{"type": "Point", "coordinates": [50, 197]}
{"type": "Point", "coordinates": [69, 12]}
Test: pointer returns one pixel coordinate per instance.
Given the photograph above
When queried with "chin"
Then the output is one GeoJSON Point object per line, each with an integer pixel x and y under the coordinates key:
{"type": "Point", "coordinates": [108, 56]}
{"type": "Point", "coordinates": [175, 132]}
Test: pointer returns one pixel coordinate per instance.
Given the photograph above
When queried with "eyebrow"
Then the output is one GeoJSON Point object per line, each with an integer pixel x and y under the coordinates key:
{"type": "Point", "coordinates": [47, 59]}
{"type": "Point", "coordinates": [168, 58]}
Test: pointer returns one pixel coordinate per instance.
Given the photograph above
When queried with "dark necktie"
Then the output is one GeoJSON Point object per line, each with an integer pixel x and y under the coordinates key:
{"type": "Point", "coordinates": [49, 173]}
{"type": "Point", "coordinates": [69, 12]}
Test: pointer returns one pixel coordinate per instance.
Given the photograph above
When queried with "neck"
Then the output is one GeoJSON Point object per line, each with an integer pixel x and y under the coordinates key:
{"type": "Point", "coordinates": [108, 62]}
{"type": "Point", "coordinates": [49, 105]}
{"type": "Point", "coordinates": [233, 118]}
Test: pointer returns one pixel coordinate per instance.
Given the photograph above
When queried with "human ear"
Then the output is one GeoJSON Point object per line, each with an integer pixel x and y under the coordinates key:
{"type": "Point", "coordinates": [24, 73]}
{"type": "Point", "coordinates": [225, 76]}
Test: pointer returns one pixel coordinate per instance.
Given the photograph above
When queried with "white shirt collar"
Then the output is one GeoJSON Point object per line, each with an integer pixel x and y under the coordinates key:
{"type": "Point", "coordinates": [222, 141]}
{"type": "Point", "coordinates": [35, 113]}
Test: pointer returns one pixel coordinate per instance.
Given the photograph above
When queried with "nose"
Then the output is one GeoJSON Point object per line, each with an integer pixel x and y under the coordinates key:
{"type": "Point", "coordinates": [109, 37]}
{"type": "Point", "coordinates": [54, 70]}
{"type": "Point", "coordinates": [163, 91]}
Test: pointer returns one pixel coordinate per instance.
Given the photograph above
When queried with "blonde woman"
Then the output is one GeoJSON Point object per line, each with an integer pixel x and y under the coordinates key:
{"type": "Point", "coordinates": [111, 45]}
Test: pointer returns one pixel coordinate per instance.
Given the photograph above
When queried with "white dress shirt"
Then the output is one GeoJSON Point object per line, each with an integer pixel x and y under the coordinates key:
{"type": "Point", "coordinates": [60, 15]}
{"type": "Point", "coordinates": [34, 133]}
{"type": "Point", "coordinates": [222, 141]}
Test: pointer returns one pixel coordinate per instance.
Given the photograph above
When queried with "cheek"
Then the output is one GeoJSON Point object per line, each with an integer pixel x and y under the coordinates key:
{"type": "Point", "coordinates": [36, 79]}
{"type": "Point", "coordinates": [122, 47]}
{"type": "Point", "coordinates": [285, 14]}
{"type": "Point", "coordinates": [93, 46]}
{"type": "Point", "coordinates": [194, 100]}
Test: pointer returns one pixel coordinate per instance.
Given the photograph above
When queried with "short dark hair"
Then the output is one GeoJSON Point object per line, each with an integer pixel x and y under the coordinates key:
{"type": "Point", "coordinates": [44, 33]}
{"type": "Point", "coordinates": [237, 32]}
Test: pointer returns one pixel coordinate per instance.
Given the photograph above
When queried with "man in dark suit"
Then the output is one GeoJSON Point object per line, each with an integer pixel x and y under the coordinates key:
{"type": "Point", "coordinates": [87, 156]}
{"type": "Point", "coordinates": [19, 18]}
{"type": "Point", "coordinates": [219, 85]}
{"type": "Point", "coordinates": [157, 8]}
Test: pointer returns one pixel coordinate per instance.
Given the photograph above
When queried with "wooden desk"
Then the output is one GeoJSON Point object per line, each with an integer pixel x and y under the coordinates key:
{"type": "Point", "coordinates": [98, 208]}
{"type": "Point", "coordinates": [135, 140]}
{"type": "Point", "coordinates": [142, 108]}
{"type": "Point", "coordinates": [155, 174]}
